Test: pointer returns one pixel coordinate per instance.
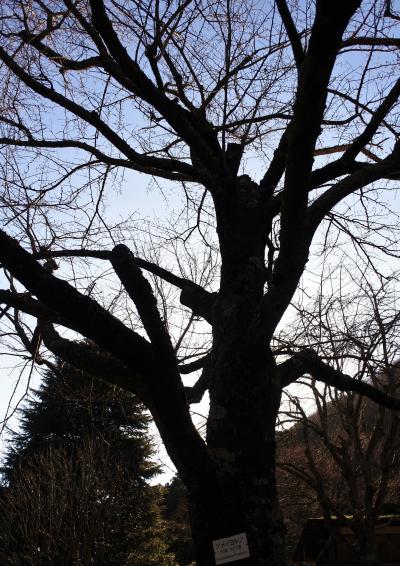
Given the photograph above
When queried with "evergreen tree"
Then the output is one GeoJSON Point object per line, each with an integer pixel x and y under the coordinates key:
{"type": "Point", "coordinates": [75, 478]}
{"type": "Point", "coordinates": [177, 514]}
{"type": "Point", "coordinates": [70, 406]}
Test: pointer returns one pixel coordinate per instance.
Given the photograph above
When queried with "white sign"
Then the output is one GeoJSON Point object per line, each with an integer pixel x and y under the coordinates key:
{"type": "Point", "coordinates": [231, 549]}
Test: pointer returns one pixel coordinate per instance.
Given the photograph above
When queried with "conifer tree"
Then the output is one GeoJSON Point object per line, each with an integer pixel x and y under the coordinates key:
{"type": "Point", "coordinates": [76, 479]}
{"type": "Point", "coordinates": [70, 406]}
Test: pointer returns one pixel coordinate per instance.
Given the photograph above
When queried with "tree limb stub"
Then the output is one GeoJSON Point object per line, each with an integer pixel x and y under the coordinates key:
{"type": "Point", "coordinates": [193, 366]}
{"type": "Point", "coordinates": [195, 393]}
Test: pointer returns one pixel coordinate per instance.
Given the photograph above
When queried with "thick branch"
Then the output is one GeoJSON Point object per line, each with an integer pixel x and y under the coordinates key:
{"type": "Point", "coordinates": [193, 129]}
{"type": "Point", "coordinates": [193, 296]}
{"type": "Point", "coordinates": [371, 41]}
{"type": "Point", "coordinates": [64, 62]}
{"type": "Point", "coordinates": [361, 178]}
{"type": "Point", "coordinates": [377, 118]}
{"type": "Point", "coordinates": [346, 163]}
{"type": "Point", "coordinates": [330, 23]}
{"type": "Point", "coordinates": [169, 384]}
{"type": "Point", "coordinates": [293, 34]}
{"type": "Point", "coordinates": [81, 313]}
{"type": "Point", "coordinates": [89, 360]}
{"type": "Point", "coordinates": [307, 362]}
{"type": "Point", "coordinates": [141, 293]}
{"type": "Point", "coordinates": [167, 168]}
{"type": "Point", "coordinates": [92, 118]}
{"type": "Point", "coordinates": [25, 303]}
{"type": "Point", "coordinates": [338, 168]}
{"type": "Point", "coordinates": [132, 77]}
{"type": "Point", "coordinates": [344, 147]}
{"type": "Point", "coordinates": [166, 397]}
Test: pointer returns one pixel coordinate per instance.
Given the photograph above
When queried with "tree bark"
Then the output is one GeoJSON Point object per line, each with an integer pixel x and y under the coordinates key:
{"type": "Point", "coordinates": [244, 401]}
{"type": "Point", "coordinates": [244, 499]}
{"type": "Point", "coordinates": [367, 544]}
{"type": "Point", "coordinates": [254, 512]}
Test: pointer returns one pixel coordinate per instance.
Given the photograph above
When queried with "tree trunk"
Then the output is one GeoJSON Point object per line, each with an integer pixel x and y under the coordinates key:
{"type": "Point", "coordinates": [244, 402]}
{"type": "Point", "coordinates": [238, 508]}
{"type": "Point", "coordinates": [241, 439]}
{"type": "Point", "coordinates": [244, 398]}
{"type": "Point", "coordinates": [368, 548]}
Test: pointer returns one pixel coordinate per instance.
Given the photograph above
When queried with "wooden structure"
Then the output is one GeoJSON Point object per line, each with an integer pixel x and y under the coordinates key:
{"type": "Point", "coordinates": [321, 544]}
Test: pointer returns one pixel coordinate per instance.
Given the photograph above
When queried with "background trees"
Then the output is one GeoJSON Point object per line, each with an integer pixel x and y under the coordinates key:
{"type": "Point", "coordinates": [343, 454]}
{"type": "Point", "coordinates": [76, 477]}
{"type": "Point", "coordinates": [341, 462]}
{"type": "Point", "coordinates": [275, 126]}
{"type": "Point", "coordinates": [70, 406]}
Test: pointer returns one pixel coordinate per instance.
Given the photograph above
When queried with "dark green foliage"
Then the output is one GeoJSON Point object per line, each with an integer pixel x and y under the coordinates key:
{"type": "Point", "coordinates": [70, 406]}
{"type": "Point", "coordinates": [177, 514]}
{"type": "Point", "coordinates": [75, 479]}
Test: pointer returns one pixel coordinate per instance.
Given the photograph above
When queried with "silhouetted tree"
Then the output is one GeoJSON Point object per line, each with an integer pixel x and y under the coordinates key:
{"type": "Point", "coordinates": [273, 127]}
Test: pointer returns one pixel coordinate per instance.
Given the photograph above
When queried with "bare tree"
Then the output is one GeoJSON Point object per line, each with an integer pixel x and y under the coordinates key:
{"type": "Point", "coordinates": [342, 447]}
{"type": "Point", "coordinates": [190, 93]}
{"type": "Point", "coordinates": [347, 457]}
{"type": "Point", "coordinates": [76, 510]}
